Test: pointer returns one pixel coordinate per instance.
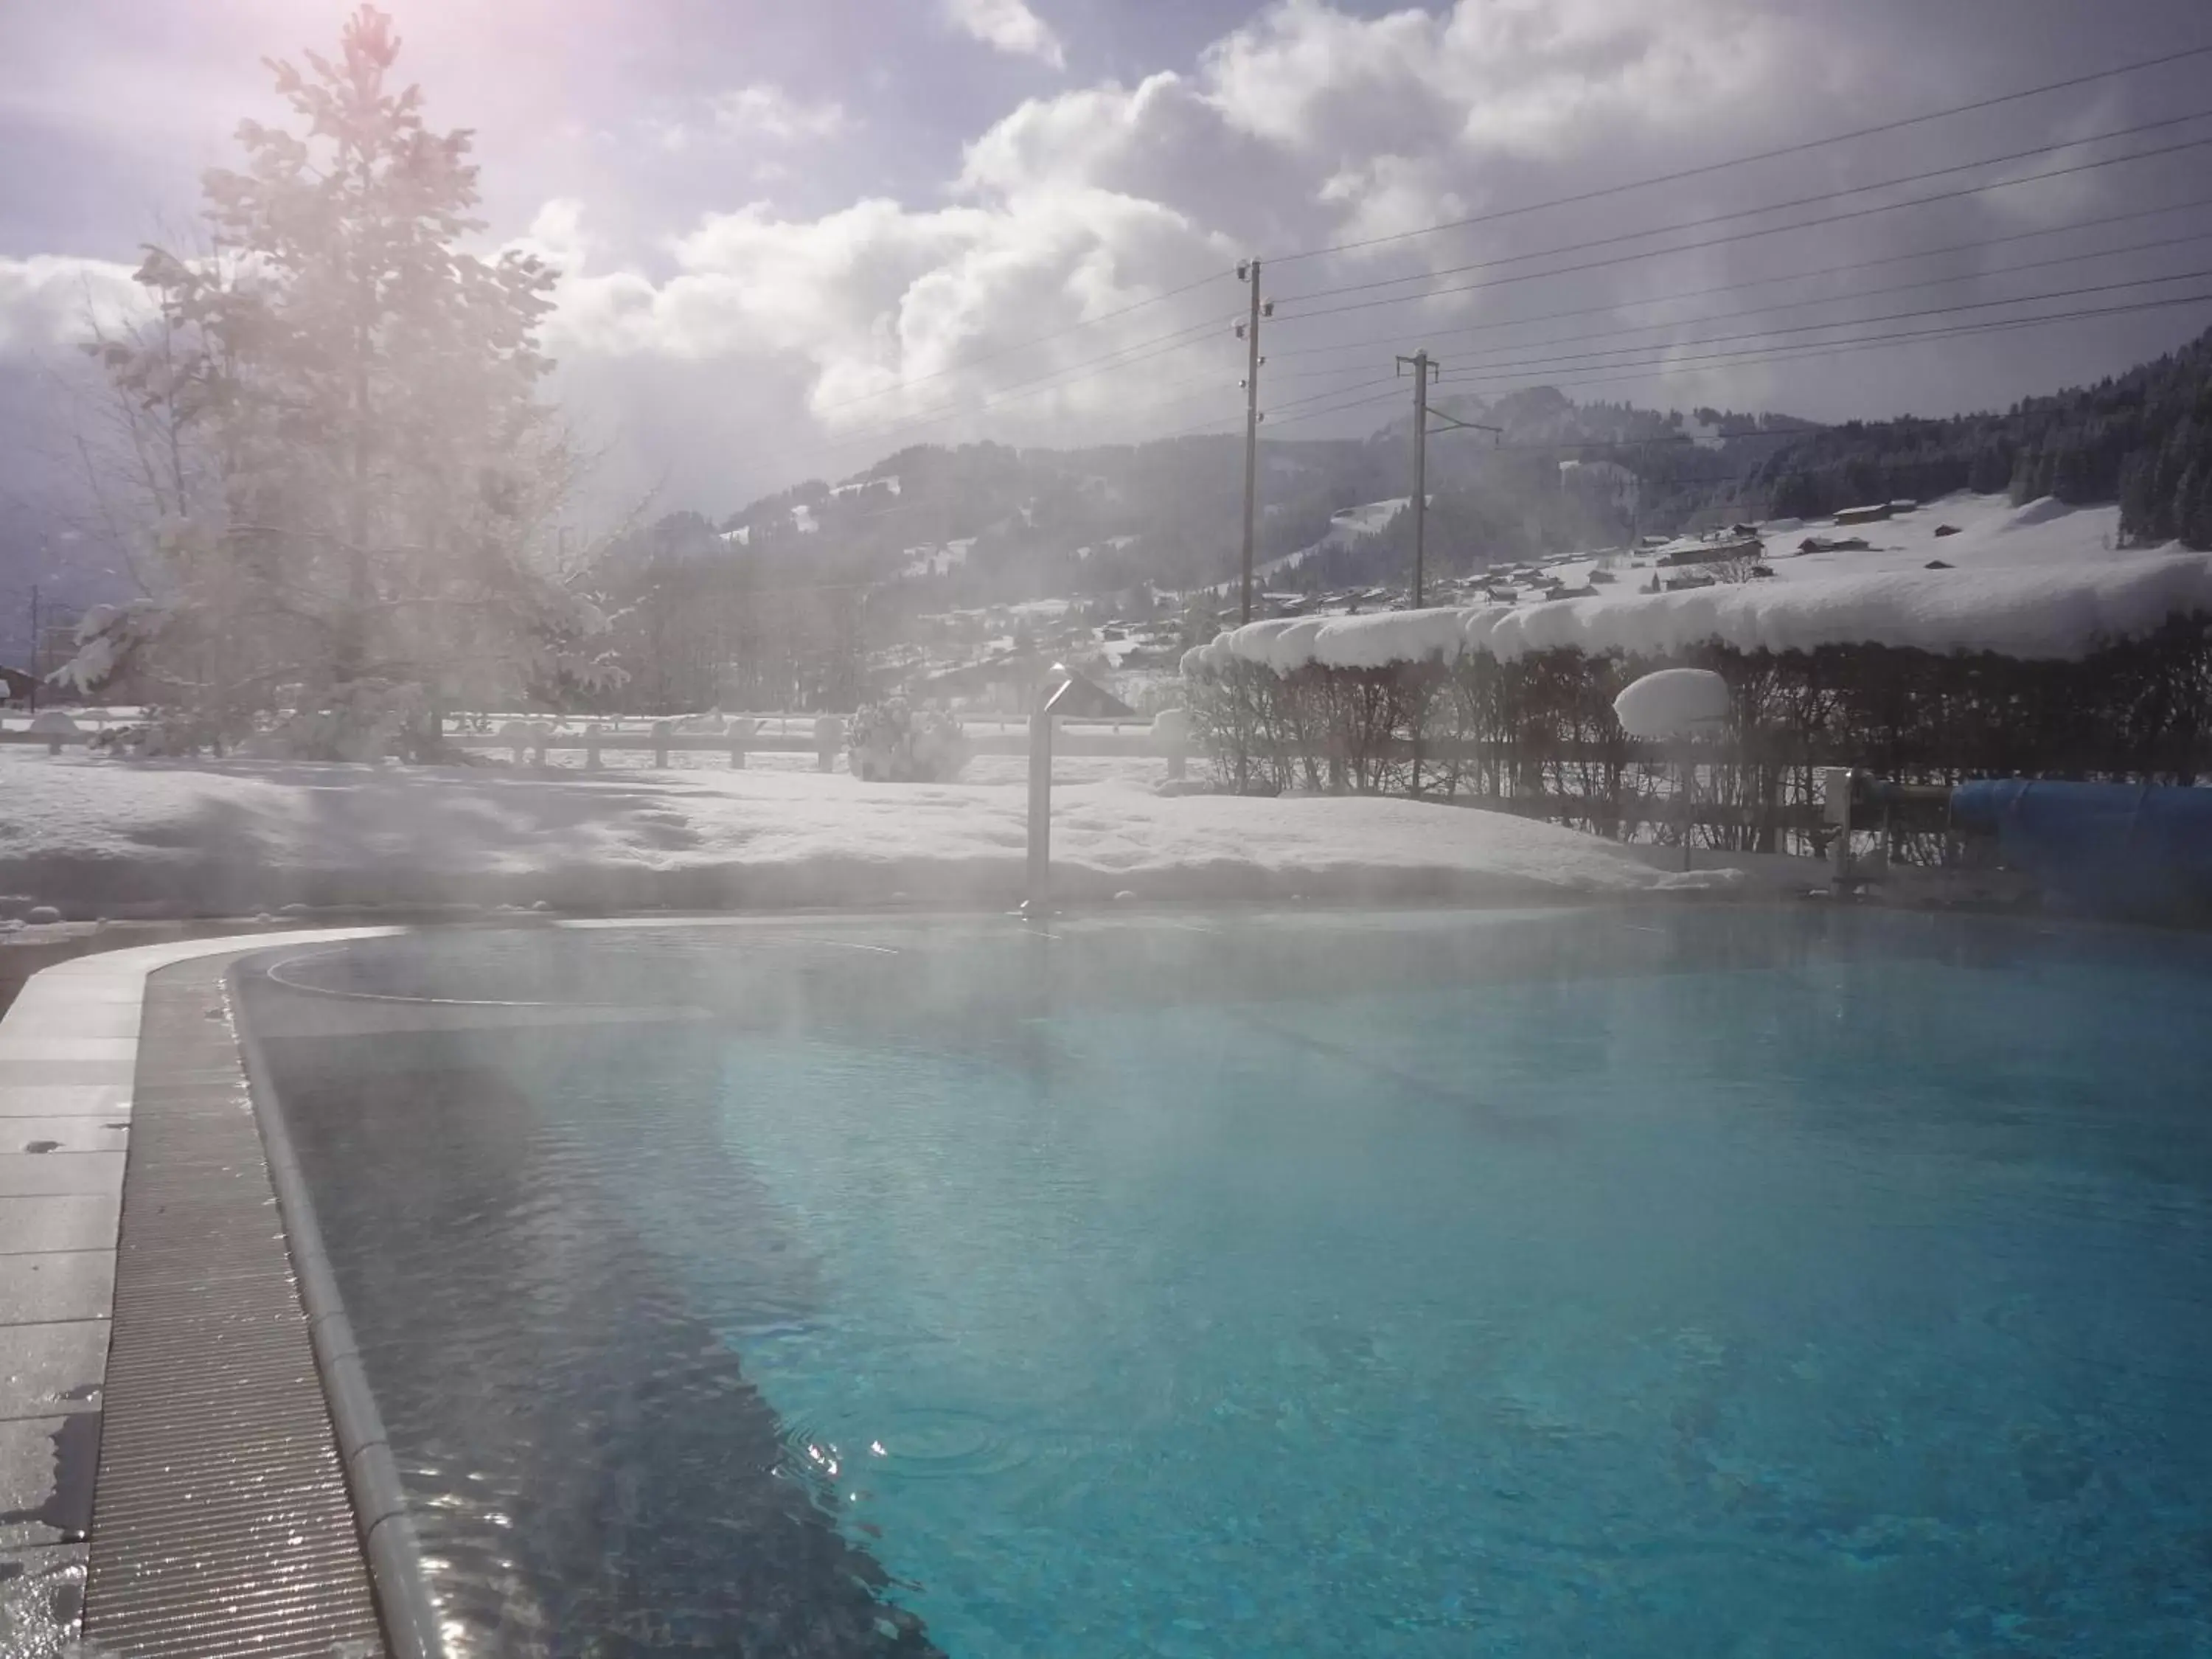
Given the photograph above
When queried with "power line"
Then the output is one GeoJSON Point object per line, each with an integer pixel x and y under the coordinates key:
{"type": "Point", "coordinates": [1333, 391]}
{"type": "Point", "coordinates": [1613, 305]}
{"type": "Point", "coordinates": [1825, 300]}
{"type": "Point", "coordinates": [1139, 352]}
{"type": "Point", "coordinates": [1072, 374]}
{"type": "Point", "coordinates": [1660, 369]}
{"type": "Point", "coordinates": [1855, 322]}
{"type": "Point", "coordinates": [1026, 345]}
{"type": "Point", "coordinates": [1657, 368]}
{"type": "Point", "coordinates": [1364, 362]}
{"type": "Point", "coordinates": [1803, 147]}
{"type": "Point", "coordinates": [1391, 396]}
{"type": "Point", "coordinates": [1539, 363]}
{"type": "Point", "coordinates": [1737, 235]}
{"type": "Point", "coordinates": [1892, 287]}
{"type": "Point", "coordinates": [1663, 367]}
{"type": "Point", "coordinates": [1365, 396]}
{"type": "Point", "coordinates": [1199, 430]}
{"type": "Point", "coordinates": [1525, 375]}
{"type": "Point", "coordinates": [1710, 167]}
{"type": "Point", "coordinates": [1068, 375]}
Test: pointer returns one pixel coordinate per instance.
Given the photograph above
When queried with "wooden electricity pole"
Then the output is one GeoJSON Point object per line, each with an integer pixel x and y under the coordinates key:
{"type": "Point", "coordinates": [1425, 372]}
{"type": "Point", "coordinates": [1425, 368]}
{"type": "Point", "coordinates": [1249, 271]}
{"type": "Point", "coordinates": [1422, 369]}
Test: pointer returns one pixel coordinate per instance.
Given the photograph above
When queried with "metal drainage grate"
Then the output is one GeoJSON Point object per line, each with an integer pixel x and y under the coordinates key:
{"type": "Point", "coordinates": [221, 1523]}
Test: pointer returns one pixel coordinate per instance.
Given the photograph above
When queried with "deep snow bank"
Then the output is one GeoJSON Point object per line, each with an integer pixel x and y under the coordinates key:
{"type": "Point", "coordinates": [108, 837]}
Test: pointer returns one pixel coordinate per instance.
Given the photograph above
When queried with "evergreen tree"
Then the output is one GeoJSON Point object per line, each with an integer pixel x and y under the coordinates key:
{"type": "Point", "coordinates": [1798, 496]}
{"type": "Point", "coordinates": [2138, 477]}
{"type": "Point", "coordinates": [374, 532]}
{"type": "Point", "coordinates": [2192, 508]}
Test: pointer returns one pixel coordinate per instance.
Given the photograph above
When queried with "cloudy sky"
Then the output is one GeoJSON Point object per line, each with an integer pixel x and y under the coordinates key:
{"type": "Point", "coordinates": [795, 237]}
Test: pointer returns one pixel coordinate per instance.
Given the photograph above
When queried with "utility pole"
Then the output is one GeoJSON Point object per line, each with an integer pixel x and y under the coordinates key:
{"type": "Point", "coordinates": [1423, 369]}
{"type": "Point", "coordinates": [1248, 332]}
{"type": "Point", "coordinates": [35, 648]}
{"type": "Point", "coordinates": [1426, 369]}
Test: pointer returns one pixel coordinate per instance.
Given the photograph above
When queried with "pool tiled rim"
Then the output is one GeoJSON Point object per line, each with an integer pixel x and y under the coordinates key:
{"type": "Point", "coordinates": [72, 1067]}
{"type": "Point", "coordinates": [70, 1051]}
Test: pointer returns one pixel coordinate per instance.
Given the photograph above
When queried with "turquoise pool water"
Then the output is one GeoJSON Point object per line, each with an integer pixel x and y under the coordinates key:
{"type": "Point", "coordinates": [1598, 1283]}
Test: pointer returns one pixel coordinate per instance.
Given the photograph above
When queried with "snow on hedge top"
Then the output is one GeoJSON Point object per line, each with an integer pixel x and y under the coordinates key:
{"type": "Point", "coordinates": [2015, 591]}
{"type": "Point", "coordinates": [2062, 612]}
{"type": "Point", "coordinates": [1375, 641]}
{"type": "Point", "coordinates": [1672, 703]}
{"type": "Point", "coordinates": [1385, 636]}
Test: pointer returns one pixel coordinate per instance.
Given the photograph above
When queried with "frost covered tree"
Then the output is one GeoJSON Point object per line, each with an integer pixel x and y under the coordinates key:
{"type": "Point", "coordinates": [355, 480]}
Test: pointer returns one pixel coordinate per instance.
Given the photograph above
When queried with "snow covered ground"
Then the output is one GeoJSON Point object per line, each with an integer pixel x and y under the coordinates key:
{"type": "Point", "coordinates": [118, 837]}
{"type": "Point", "coordinates": [1992, 533]}
{"type": "Point", "coordinates": [1367, 519]}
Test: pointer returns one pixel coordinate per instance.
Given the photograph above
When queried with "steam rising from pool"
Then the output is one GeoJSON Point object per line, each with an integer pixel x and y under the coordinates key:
{"type": "Point", "coordinates": [1586, 1282]}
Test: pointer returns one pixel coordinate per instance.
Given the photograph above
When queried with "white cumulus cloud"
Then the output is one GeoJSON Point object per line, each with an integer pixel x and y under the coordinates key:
{"type": "Point", "coordinates": [769, 113]}
{"type": "Point", "coordinates": [52, 299]}
{"type": "Point", "coordinates": [1008, 25]}
{"type": "Point", "coordinates": [756, 344]}
{"type": "Point", "coordinates": [1308, 125]}
{"type": "Point", "coordinates": [762, 116]}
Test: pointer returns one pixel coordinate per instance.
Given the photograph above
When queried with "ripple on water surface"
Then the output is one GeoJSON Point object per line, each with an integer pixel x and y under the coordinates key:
{"type": "Point", "coordinates": [1739, 1284]}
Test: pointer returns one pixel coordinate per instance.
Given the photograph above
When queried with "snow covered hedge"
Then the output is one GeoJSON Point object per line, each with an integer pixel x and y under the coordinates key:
{"type": "Point", "coordinates": [2040, 613]}
{"type": "Point", "coordinates": [2072, 670]}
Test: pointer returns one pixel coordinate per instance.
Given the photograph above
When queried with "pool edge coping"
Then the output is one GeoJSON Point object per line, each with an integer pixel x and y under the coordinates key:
{"type": "Point", "coordinates": [98, 992]}
{"type": "Point", "coordinates": [412, 1629]}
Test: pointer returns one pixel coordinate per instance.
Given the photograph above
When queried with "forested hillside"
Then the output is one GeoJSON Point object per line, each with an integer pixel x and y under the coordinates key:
{"type": "Point", "coordinates": [2143, 438]}
{"type": "Point", "coordinates": [934, 528]}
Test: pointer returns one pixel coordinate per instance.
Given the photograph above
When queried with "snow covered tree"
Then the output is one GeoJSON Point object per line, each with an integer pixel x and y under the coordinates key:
{"type": "Point", "coordinates": [362, 527]}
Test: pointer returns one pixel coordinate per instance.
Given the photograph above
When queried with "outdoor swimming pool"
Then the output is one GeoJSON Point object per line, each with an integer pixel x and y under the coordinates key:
{"type": "Point", "coordinates": [1613, 1283]}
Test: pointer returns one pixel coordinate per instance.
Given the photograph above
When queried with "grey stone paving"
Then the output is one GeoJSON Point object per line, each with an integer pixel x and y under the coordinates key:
{"type": "Point", "coordinates": [42, 1137]}
{"type": "Point", "coordinates": [52, 1368]}
{"type": "Point", "coordinates": [68, 1052]}
{"type": "Point", "coordinates": [23, 1175]}
{"type": "Point", "coordinates": [56, 1285]}
{"type": "Point", "coordinates": [58, 1221]}
{"type": "Point", "coordinates": [63, 1100]}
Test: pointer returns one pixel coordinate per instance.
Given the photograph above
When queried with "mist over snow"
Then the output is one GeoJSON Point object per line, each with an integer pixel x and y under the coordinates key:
{"type": "Point", "coordinates": [98, 839]}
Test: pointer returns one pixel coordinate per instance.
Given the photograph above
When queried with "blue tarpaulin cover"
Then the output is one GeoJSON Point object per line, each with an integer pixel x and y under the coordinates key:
{"type": "Point", "coordinates": [2130, 850]}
